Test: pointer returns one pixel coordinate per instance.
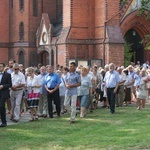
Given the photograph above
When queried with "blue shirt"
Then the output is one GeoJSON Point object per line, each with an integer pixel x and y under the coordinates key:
{"type": "Point", "coordinates": [131, 73]}
{"type": "Point", "coordinates": [111, 79]}
{"type": "Point", "coordinates": [42, 89]}
{"type": "Point", "coordinates": [72, 78]}
{"type": "Point", "coordinates": [52, 80]}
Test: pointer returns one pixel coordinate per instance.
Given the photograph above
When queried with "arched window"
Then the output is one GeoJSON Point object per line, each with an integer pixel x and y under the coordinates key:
{"type": "Point", "coordinates": [52, 57]}
{"type": "Point", "coordinates": [35, 8]}
{"type": "Point", "coordinates": [11, 3]}
{"type": "Point", "coordinates": [21, 32]}
{"type": "Point", "coordinates": [21, 57]}
{"type": "Point", "coordinates": [21, 5]}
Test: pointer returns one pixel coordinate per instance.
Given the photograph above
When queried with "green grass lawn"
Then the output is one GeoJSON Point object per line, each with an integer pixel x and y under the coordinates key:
{"type": "Point", "coordinates": [127, 129]}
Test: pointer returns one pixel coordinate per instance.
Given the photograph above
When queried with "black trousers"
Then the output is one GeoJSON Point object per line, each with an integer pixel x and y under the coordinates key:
{"type": "Point", "coordinates": [111, 99]}
{"type": "Point", "coordinates": [53, 96]}
{"type": "Point", "coordinates": [2, 110]}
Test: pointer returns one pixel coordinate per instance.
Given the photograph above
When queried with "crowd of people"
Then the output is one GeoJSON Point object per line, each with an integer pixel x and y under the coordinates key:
{"type": "Point", "coordinates": [44, 91]}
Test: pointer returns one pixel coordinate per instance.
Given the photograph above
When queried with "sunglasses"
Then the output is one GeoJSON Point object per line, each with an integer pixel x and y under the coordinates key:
{"type": "Point", "coordinates": [16, 69]}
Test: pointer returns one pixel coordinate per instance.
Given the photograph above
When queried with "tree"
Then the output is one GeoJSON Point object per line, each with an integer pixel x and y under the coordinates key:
{"type": "Point", "coordinates": [145, 9]}
{"type": "Point", "coordinates": [127, 54]}
{"type": "Point", "coordinates": [146, 42]}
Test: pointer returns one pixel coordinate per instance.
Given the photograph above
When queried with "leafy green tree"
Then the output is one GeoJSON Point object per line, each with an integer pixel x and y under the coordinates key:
{"type": "Point", "coordinates": [146, 42]}
{"type": "Point", "coordinates": [145, 8]}
{"type": "Point", "coordinates": [127, 54]}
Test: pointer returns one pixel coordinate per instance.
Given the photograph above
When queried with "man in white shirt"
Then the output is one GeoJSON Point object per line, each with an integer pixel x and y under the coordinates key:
{"type": "Point", "coordinates": [111, 81]}
{"type": "Point", "coordinates": [16, 93]}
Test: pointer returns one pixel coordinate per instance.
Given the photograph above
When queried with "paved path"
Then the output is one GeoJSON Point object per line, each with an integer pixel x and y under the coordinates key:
{"type": "Point", "coordinates": [25, 117]}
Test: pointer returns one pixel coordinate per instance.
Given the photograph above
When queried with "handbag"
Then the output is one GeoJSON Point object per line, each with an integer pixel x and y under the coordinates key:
{"type": "Point", "coordinates": [98, 90]}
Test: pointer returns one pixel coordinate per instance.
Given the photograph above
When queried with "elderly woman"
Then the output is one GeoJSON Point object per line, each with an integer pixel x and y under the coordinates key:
{"type": "Point", "coordinates": [127, 88]}
{"type": "Point", "coordinates": [142, 91]}
{"type": "Point", "coordinates": [33, 90]}
{"type": "Point", "coordinates": [84, 90]}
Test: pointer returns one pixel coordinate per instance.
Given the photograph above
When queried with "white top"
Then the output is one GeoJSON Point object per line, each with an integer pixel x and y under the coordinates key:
{"type": "Point", "coordinates": [62, 87]}
{"type": "Point", "coordinates": [128, 81]}
{"type": "Point", "coordinates": [122, 77]}
{"type": "Point", "coordinates": [111, 79]}
{"type": "Point", "coordinates": [18, 78]}
{"type": "Point", "coordinates": [33, 82]}
{"type": "Point", "coordinates": [142, 88]}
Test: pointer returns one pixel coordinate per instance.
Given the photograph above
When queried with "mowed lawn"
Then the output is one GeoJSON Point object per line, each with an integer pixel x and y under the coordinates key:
{"type": "Point", "coordinates": [127, 129]}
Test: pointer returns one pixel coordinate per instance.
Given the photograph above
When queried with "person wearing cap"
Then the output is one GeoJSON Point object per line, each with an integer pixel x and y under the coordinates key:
{"type": "Point", "coordinates": [111, 81]}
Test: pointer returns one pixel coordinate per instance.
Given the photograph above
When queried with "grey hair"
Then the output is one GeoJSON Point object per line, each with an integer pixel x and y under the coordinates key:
{"type": "Point", "coordinates": [15, 65]}
{"type": "Point", "coordinates": [30, 69]}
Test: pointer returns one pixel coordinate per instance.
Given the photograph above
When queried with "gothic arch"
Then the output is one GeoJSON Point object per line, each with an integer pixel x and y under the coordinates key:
{"type": "Point", "coordinates": [21, 5]}
{"type": "Point", "coordinates": [35, 8]}
{"type": "Point", "coordinates": [21, 50]}
{"type": "Point", "coordinates": [133, 22]}
{"type": "Point", "coordinates": [138, 23]}
{"type": "Point", "coordinates": [21, 31]}
{"type": "Point", "coordinates": [21, 56]}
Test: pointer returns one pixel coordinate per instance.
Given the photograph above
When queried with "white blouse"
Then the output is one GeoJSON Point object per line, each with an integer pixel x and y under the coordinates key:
{"type": "Point", "coordinates": [33, 82]}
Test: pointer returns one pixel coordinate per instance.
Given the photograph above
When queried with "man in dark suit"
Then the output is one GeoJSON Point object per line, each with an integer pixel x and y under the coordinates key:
{"type": "Point", "coordinates": [5, 84]}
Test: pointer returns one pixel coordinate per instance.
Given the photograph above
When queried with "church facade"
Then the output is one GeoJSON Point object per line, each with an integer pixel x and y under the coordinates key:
{"type": "Point", "coordinates": [60, 31]}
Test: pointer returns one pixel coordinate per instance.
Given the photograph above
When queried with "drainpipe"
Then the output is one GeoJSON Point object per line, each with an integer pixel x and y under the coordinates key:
{"type": "Point", "coordinates": [105, 22]}
{"type": "Point", "coordinates": [55, 44]}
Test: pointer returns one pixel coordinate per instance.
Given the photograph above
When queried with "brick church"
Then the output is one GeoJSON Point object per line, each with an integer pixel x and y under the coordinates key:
{"type": "Point", "coordinates": [59, 31]}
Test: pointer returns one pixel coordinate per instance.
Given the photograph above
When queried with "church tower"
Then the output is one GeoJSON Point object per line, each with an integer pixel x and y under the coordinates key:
{"type": "Point", "coordinates": [4, 30]}
{"type": "Point", "coordinates": [107, 31]}
{"type": "Point", "coordinates": [25, 17]}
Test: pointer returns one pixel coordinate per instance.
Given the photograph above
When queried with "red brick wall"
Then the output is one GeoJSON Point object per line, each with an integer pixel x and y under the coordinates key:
{"type": "Point", "coordinates": [61, 57]}
{"type": "Point", "coordinates": [112, 9]}
{"type": "Point", "coordinates": [4, 21]}
{"type": "Point", "coordinates": [53, 8]}
{"type": "Point", "coordinates": [100, 17]}
{"type": "Point", "coordinates": [34, 21]}
{"type": "Point", "coordinates": [115, 54]}
{"type": "Point", "coordinates": [4, 55]}
{"type": "Point", "coordinates": [4, 30]}
{"type": "Point", "coordinates": [86, 19]}
{"type": "Point", "coordinates": [15, 18]}
{"type": "Point", "coordinates": [66, 13]}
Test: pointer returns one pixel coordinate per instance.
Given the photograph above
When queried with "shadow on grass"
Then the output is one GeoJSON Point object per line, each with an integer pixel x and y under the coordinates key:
{"type": "Point", "coordinates": [99, 130]}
